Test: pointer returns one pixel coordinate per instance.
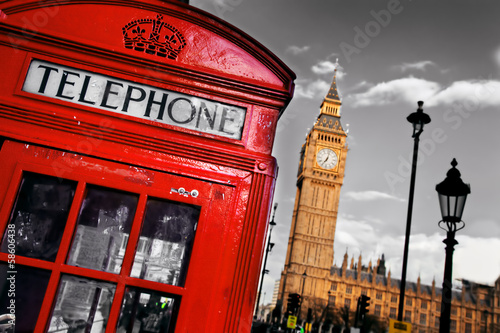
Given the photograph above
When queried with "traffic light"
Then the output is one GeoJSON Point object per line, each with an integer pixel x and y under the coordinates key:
{"type": "Point", "coordinates": [296, 300]}
{"type": "Point", "coordinates": [365, 304]}
{"type": "Point", "coordinates": [293, 302]}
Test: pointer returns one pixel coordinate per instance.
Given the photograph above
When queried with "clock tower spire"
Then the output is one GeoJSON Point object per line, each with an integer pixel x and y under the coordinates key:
{"type": "Point", "coordinates": [333, 95]}
{"type": "Point", "coordinates": [320, 176]}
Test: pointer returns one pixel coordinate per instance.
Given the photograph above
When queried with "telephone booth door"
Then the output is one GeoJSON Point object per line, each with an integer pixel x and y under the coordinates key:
{"type": "Point", "coordinates": [96, 246]}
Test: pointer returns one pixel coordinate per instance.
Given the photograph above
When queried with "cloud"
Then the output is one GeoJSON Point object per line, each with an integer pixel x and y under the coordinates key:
{"type": "Point", "coordinates": [295, 50]}
{"type": "Point", "coordinates": [324, 67]}
{"type": "Point", "coordinates": [370, 196]}
{"type": "Point", "coordinates": [420, 65]}
{"type": "Point", "coordinates": [318, 88]}
{"type": "Point", "coordinates": [311, 89]}
{"type": "Point", "coordinates": [362, 85]}
{"type": "Point", "coordinates": [352, 234]}
{"type": "Point", "coordinates": [400, 90]}
{"type": "Point", "coordinates": [473, 94]}
{"type": "Point", "coordinates": [470, 261]}
{"type": "Point", "coordinates": [328, 67]}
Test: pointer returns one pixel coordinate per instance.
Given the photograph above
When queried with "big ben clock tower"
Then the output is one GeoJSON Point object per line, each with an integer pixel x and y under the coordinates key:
{"type": "Point", "coordinates": [320, 176]}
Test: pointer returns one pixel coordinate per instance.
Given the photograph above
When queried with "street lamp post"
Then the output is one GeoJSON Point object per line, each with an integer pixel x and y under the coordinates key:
{"type": "Point", "coordinates": [269, 247]}
{"type": "Point", "coordinates": [325, 318]}
{"type": "Point", "coordinates": [418, 119]}
{"type": "Point", "coordinates": [302, 294]}
{"type": "Point", "coordinates": [452, 193]}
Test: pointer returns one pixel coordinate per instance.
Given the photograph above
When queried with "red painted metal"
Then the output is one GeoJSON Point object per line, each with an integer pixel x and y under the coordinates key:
{"type": "Point", "coordinates": [56, 137]}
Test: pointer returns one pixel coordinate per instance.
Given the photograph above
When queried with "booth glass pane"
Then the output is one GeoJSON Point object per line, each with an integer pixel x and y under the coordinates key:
{"type": "Point", "coordinates": [22, 290]}
{"type": "Point", "coordinates": [166, 242]}
{"type": "Point", "coordinates": [39, 217]}
{"type": "Point", "coordinates": [82, 305]}
{"type": "Point", "coordinates": [104, 223]}
{"type": "Point", "coordinates": [146, 311]}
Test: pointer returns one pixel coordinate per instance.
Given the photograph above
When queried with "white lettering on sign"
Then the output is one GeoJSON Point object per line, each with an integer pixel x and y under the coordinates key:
{"type": "Point", "coordinates": [134, 99]}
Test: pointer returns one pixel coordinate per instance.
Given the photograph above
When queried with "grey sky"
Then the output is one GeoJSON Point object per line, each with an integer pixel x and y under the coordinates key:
{"type": "Point", "coordinates": [392, 53]}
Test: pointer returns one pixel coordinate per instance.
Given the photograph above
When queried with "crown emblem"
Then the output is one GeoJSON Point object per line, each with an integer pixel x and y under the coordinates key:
{"type": "Point", "coordinates": [153, 36]}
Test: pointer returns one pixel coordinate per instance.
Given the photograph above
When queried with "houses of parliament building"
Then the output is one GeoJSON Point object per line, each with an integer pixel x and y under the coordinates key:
{"type": "Point", "coordinates": [308, 265]}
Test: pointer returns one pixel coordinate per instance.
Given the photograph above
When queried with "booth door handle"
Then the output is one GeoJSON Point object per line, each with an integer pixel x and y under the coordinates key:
{"type": "Point", "coordinates": [182, 191]}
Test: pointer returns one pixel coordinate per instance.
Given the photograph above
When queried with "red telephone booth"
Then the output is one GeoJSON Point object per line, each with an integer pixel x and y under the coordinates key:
{"type": "Point", "coordinates": [136, 170]}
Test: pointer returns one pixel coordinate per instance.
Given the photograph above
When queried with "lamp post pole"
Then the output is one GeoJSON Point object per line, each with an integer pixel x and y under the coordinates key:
{"type": "Point", "coordinates": [418, 119]}
{"type": "Point", "coordinates": [452, 195]}
{"type": "Point", "coordinates": [268, 249]}
{"type": "Point", "coordinates": [302, 294]}
{"type": "Point", "coordinates": [444, 323]}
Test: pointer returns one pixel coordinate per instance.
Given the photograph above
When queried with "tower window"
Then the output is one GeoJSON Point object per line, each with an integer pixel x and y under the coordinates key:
{"type": "Point", "coordinates": [347, 302]}
{"type": "Point", "coordinates": [408, 316]}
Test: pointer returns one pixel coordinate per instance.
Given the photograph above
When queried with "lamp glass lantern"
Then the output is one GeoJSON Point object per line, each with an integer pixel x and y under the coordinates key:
{"type": "Point", "coordinates": [452, 194]}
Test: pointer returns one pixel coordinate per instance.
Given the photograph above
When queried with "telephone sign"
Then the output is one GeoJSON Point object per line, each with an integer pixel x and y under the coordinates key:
{"type": "Point", "coordinates": [133, 99]}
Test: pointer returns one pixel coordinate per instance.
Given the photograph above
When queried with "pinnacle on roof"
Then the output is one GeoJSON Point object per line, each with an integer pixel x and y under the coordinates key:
{"type": "Point", "coordinates": [333, 94]}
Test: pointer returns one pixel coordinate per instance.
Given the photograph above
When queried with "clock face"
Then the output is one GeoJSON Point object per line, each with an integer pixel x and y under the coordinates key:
{"type": "Point", "coordinates": [327, 158]}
